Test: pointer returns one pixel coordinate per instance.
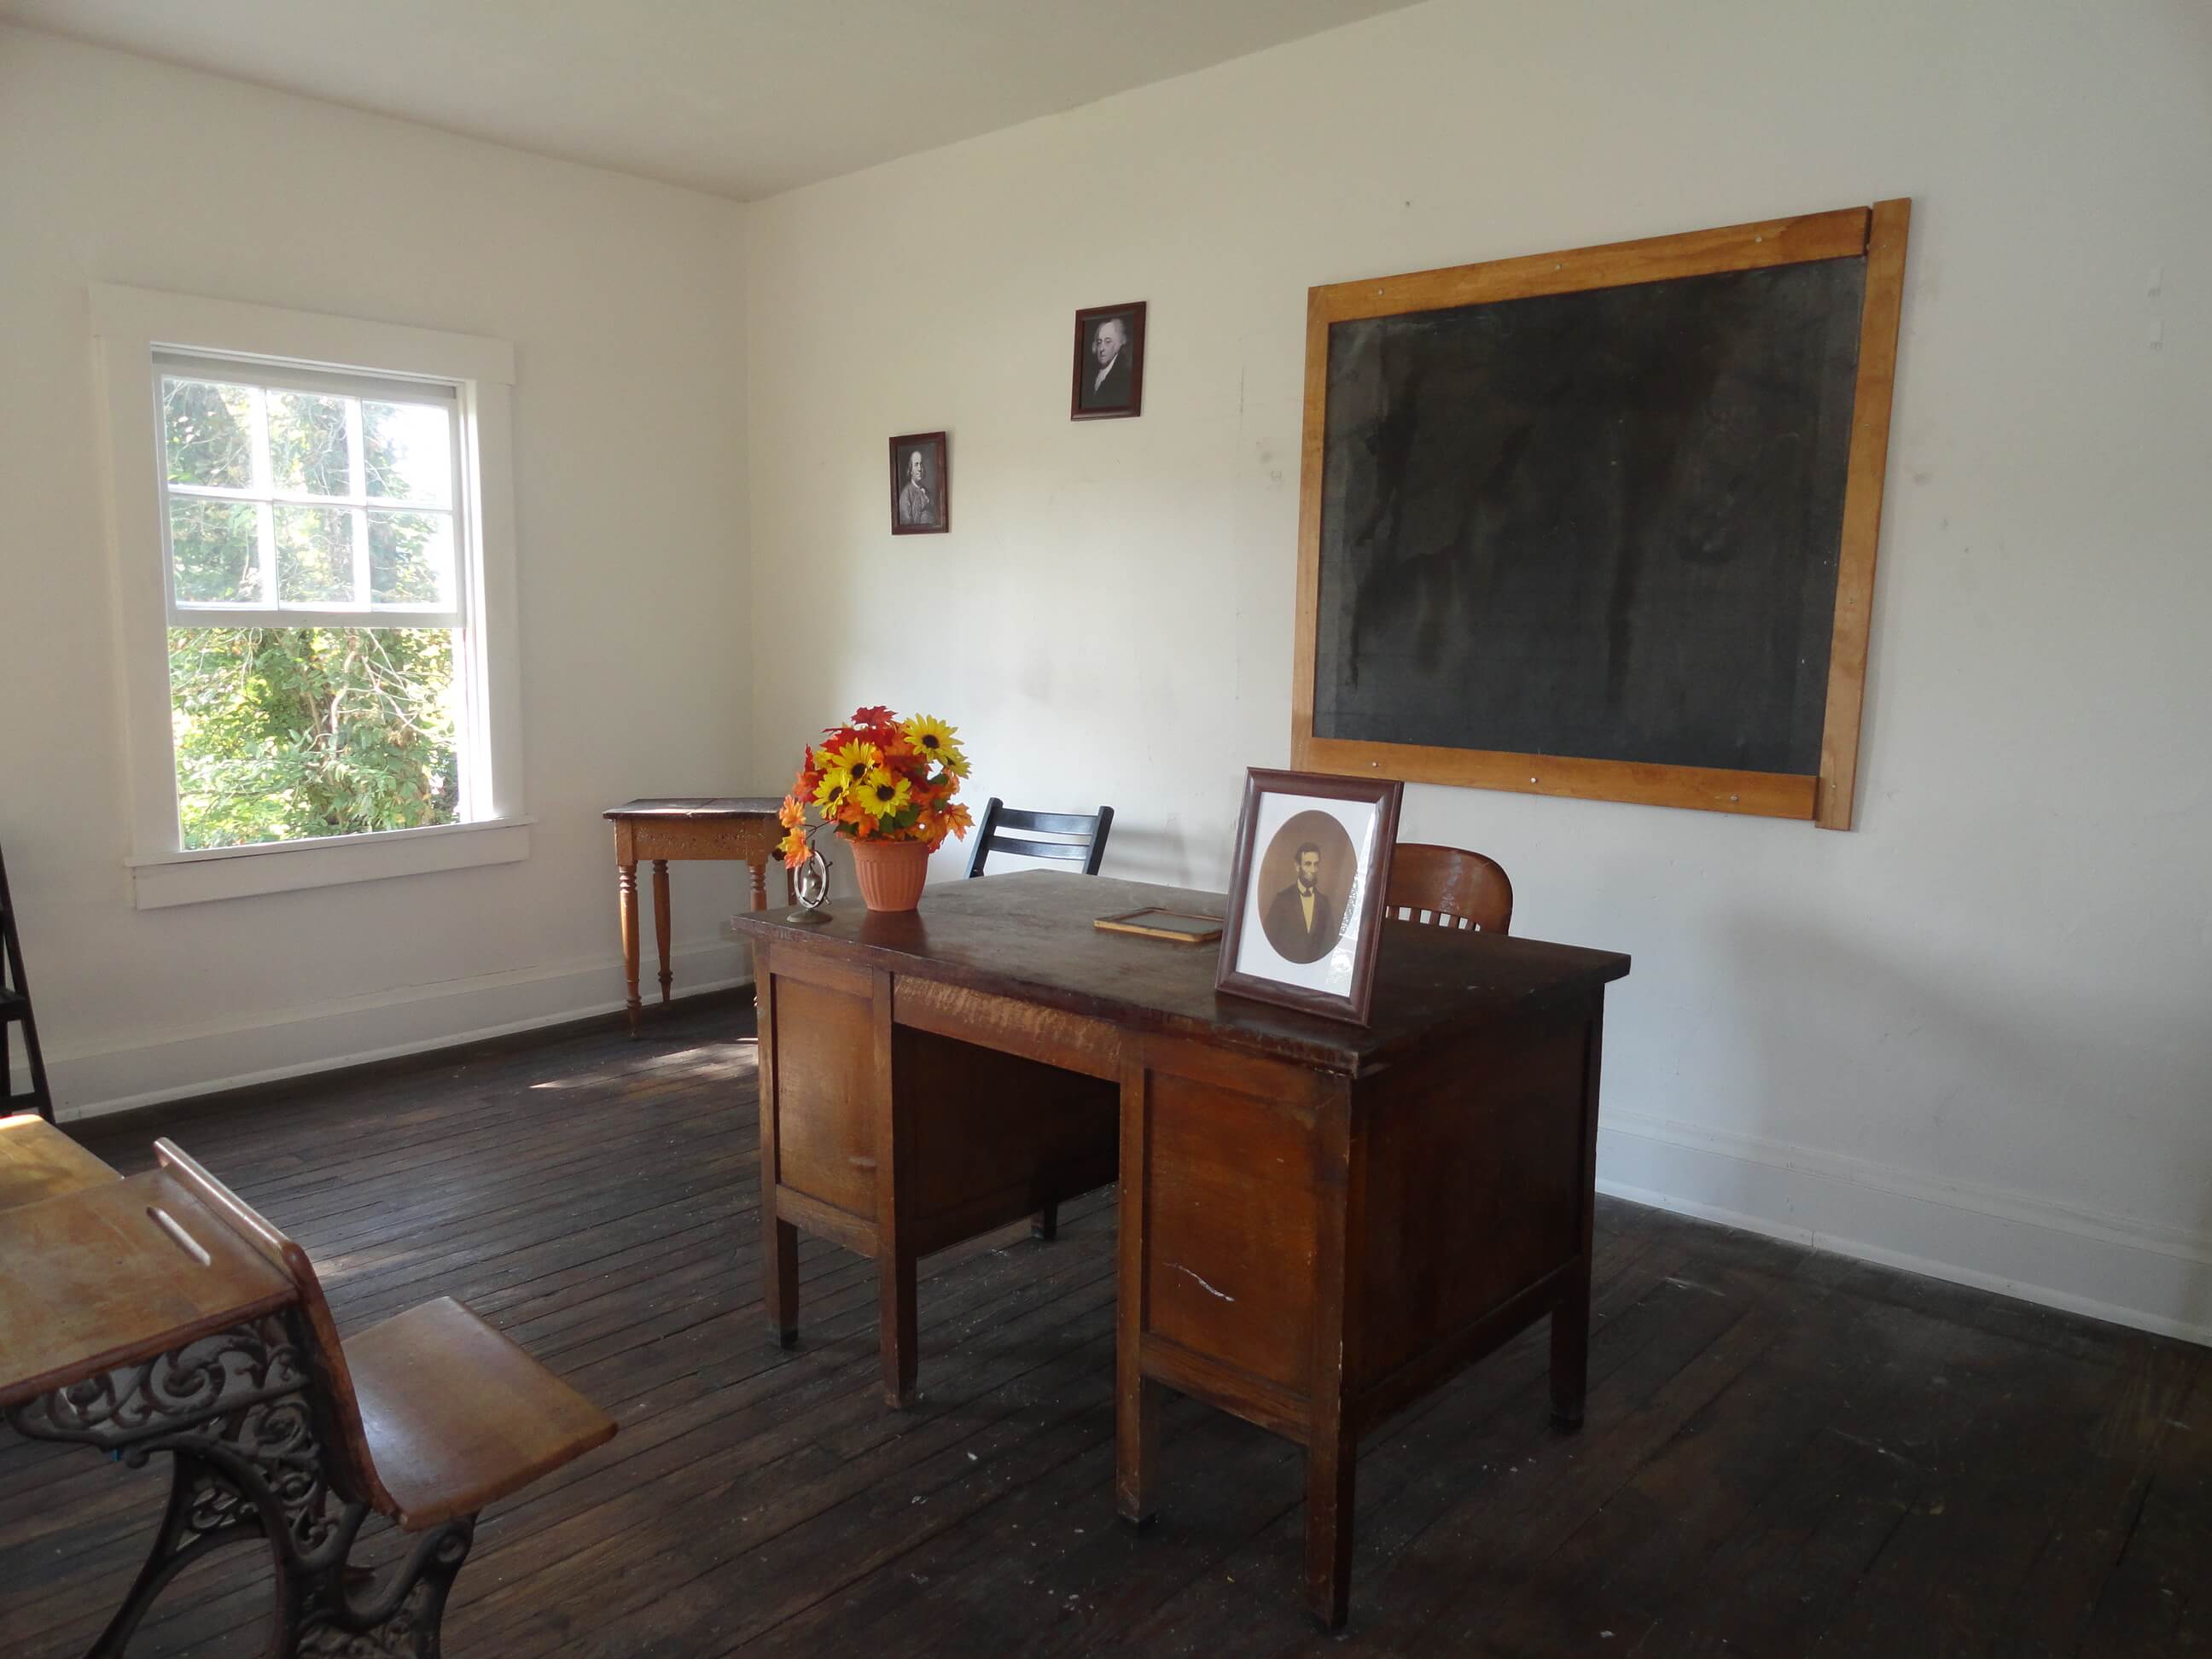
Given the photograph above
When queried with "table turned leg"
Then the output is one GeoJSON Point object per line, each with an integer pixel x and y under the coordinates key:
{"type": "Point", "coordinates": [661, 921]}
{"type": "Point", "coordinates": [626, 895]}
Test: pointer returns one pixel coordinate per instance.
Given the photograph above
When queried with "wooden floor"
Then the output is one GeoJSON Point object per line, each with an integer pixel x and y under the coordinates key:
{"type": "Point", "coordinates": [1786, 1453]}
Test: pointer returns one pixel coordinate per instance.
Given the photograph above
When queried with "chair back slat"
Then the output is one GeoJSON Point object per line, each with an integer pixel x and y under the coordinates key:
{"type": "Point", "coordinates": [1052, 824]}
{"type": "Point", "coordinates": [998, 818]}
{"type": "Point", "coordinates": [1449, 887]}
{"type": "Point", "coordinates": [1074, 850]}
{"type": "Point", "coordinates": [348, 1442]}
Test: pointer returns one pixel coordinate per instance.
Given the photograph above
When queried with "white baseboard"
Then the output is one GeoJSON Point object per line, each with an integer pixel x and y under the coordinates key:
{"type": "Point", "coordinates": [148, 1067]}
{"type": "Point", "coordinates": [2155, 1278]}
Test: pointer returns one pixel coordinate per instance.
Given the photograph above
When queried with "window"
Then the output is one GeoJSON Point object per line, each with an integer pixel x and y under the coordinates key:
{"type": "Point", "coordinates": [320, 659]}
{"type": "Point", "coordinates": [311, 561]}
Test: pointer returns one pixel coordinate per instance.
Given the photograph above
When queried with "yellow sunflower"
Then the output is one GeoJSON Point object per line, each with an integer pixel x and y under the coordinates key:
{"type": "Point", "coordinates": [882, 794]}
{"type": "Point", "coordinates": [842, 769]}
{"type": "Point", "coordinates": [934, 739]}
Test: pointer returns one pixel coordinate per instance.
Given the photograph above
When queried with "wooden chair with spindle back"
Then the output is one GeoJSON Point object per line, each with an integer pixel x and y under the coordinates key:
{"type": "Point", "coordinates": [1449, 887]}
{"type": "Point", "coordinates": [424, 1419]}
{"type": "Point", "coordinates": [1088, 849]}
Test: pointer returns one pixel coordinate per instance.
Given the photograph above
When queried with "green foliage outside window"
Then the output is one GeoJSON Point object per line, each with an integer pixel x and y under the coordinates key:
{"type": "Point", "coordinates": [287, 733]}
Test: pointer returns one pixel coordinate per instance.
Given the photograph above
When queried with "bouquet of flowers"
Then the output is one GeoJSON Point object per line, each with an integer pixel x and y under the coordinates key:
{"type": "Point", "coordinates": [878, 778]}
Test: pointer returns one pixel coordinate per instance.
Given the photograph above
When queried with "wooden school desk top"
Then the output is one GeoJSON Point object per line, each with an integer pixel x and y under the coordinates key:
{"type": "Point", "coordinates": [39, 1161]}
{"type": "Point", "coordinates": [94, 1280]}
{"type": "Point", "coordinates": [1030, 936]}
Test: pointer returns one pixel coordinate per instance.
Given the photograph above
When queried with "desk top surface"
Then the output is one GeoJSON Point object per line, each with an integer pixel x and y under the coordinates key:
{"type": "Point", "coordinates": [698, 806]}
{"type": "Point", "coordinates": [39, 1161]}
{"type": "Point", "coordinates": [94, 1281]}
{"type": "Point", "coordinates": [1030, 936]}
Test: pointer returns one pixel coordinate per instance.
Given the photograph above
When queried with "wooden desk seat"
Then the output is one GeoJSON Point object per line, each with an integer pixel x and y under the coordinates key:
{"type": "Point", "coordinates": [38, 1161]}
{"type": "Point", "coordinates": [456, 1416]}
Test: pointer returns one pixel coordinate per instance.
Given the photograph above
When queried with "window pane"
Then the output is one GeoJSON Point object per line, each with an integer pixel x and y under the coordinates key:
{"type": "Point", "coordinates": [314, 555]}
{"type": "Point", "coordinates": [307, 443]}
{"type": "Point", "coordinates": [410, 558]}
{"type": "Point", "coordinates": [215, 548]}
{"type": "Point", "coordinates": [207, 431]}
{"type": "Point", "coordinates": [288, 732]}
{"type": "Point", "coordinates": [409, 451]}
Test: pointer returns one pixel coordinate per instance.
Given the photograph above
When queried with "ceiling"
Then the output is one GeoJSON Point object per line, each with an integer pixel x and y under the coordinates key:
{"type": "Point", "coordinates": [743, 98]}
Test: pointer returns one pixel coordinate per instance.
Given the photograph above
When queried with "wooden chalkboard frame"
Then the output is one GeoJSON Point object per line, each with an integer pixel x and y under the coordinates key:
{"type": "Point", "coordinates": [1878, 234]}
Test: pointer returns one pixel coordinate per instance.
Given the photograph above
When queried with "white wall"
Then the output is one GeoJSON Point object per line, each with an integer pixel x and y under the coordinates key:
{"type": "Point", "coordinates": [1971, 1035]}
{"type": "Point", "coordinates": [621, 297]}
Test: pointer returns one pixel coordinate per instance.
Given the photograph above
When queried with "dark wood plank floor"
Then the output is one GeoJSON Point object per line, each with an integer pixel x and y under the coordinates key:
{"type": "Point", "coordinates": [1786, 1453]}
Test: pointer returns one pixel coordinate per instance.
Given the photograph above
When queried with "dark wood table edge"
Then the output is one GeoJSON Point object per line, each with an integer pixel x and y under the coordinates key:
{"type": "Point", "coordinates": [1315, 1050]}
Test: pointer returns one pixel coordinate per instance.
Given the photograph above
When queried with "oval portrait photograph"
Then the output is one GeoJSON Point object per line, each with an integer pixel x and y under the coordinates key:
{"type": "Point", "coordinates": [1306, 874]}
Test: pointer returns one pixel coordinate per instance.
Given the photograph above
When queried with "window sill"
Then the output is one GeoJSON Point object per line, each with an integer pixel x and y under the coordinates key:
{"type": "Point", "coordinates": [221, 872]}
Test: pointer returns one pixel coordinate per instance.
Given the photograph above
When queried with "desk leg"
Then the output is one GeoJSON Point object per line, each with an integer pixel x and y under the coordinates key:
{"type": "Point", "coordinates": [895, 1256]}
{"type": "Point", "coordinates": [1570, 1347]}
{"type": "Point", "coordinates": [896, 1298]}
{"type": "Point", "coordinates": [1332, 1436]}
{"type": "Point", "coordinates": [1571, 1315]}
{"type": "Point", "coordinates": [626, 897]}
{"type": "Point", "coordinates": [1331, 1462]}
{"type": "Point", "coordinates": [661, 921]}
{"type": "Point", "coordinates": [779, 1238]}
{"type": "Point", "coordinates": [1136, 1397]}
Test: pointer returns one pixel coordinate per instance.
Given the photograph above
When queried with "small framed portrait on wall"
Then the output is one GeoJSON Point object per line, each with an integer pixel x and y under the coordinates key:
{"type": "Point", "coordinates": [921, 485]}
{"type": "Point", "coordinates": [1306, 890]}
{"type": "Point", "coordinates": [1110, 363]}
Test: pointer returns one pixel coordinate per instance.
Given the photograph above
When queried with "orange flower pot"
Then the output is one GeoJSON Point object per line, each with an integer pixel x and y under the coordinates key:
{"type": "Point", "coordinates": [891, 872]}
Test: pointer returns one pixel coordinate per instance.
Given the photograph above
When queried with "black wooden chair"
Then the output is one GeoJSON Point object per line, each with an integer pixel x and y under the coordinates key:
{"type": "Point", "coordinates": [998, 817]}
{"type": "Point", "coordinates": [1088, 850]}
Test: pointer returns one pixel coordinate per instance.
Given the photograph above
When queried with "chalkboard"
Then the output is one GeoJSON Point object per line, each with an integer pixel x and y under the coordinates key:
{"type": "Point", "coordinates": [1578, 523]}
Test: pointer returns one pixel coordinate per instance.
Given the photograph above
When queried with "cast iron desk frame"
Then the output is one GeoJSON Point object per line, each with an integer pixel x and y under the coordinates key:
{"type": "Point", "coordinates": [1319, 1223]}
{"type": "Point", "coordinates": [114, 1335]}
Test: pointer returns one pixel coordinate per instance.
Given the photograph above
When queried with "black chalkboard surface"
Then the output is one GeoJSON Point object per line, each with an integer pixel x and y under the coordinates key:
{"type": "Point", "coordinates": [1604, 524]}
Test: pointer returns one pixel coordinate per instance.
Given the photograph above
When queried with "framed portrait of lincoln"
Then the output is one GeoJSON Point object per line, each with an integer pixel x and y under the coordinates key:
{"type": "Point", "coordinates": [1306, 890]}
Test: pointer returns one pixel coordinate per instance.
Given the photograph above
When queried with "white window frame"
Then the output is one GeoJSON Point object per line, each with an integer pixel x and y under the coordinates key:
{"type": "Point", "coordinates": [129, 327]}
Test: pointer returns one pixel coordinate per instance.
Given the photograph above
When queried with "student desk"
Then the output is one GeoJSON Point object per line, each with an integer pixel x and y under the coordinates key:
{"type": "Point", "coordinates": [133, 1321]}
{"type": "Point", "coordinates": [1318, 1222]}
{"type": "Point", "coordinates": [660, 828]}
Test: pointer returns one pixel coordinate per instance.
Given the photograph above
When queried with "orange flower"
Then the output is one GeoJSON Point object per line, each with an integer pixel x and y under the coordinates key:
{"type": "Point", "coordinates": [794, 848]}
{"type": "Point", "coordinates": [791, 813]}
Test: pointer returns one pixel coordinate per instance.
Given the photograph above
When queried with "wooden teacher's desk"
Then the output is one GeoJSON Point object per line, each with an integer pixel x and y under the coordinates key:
{"type": "Point", "coordinates": [1318, 1222]}
{"type": "Point", "coordinates": [685, 827]}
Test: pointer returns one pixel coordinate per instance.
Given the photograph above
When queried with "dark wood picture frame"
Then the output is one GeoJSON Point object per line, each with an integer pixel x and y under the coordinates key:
{"type": "Point", "coordinates": [1384, 794]}
{"type": "Point", "coordinates": [1133, 313]}
{"type": "Point", "coordinates": [1877, 234]}
{"type": "Point", "coordinates": [904, 444]}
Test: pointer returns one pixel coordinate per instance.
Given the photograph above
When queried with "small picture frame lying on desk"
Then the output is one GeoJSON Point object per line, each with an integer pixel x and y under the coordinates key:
{"type": "Point", "coordinates": [1185, 926]}
{"type": "Point", "coordinates": [1306, 889]}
